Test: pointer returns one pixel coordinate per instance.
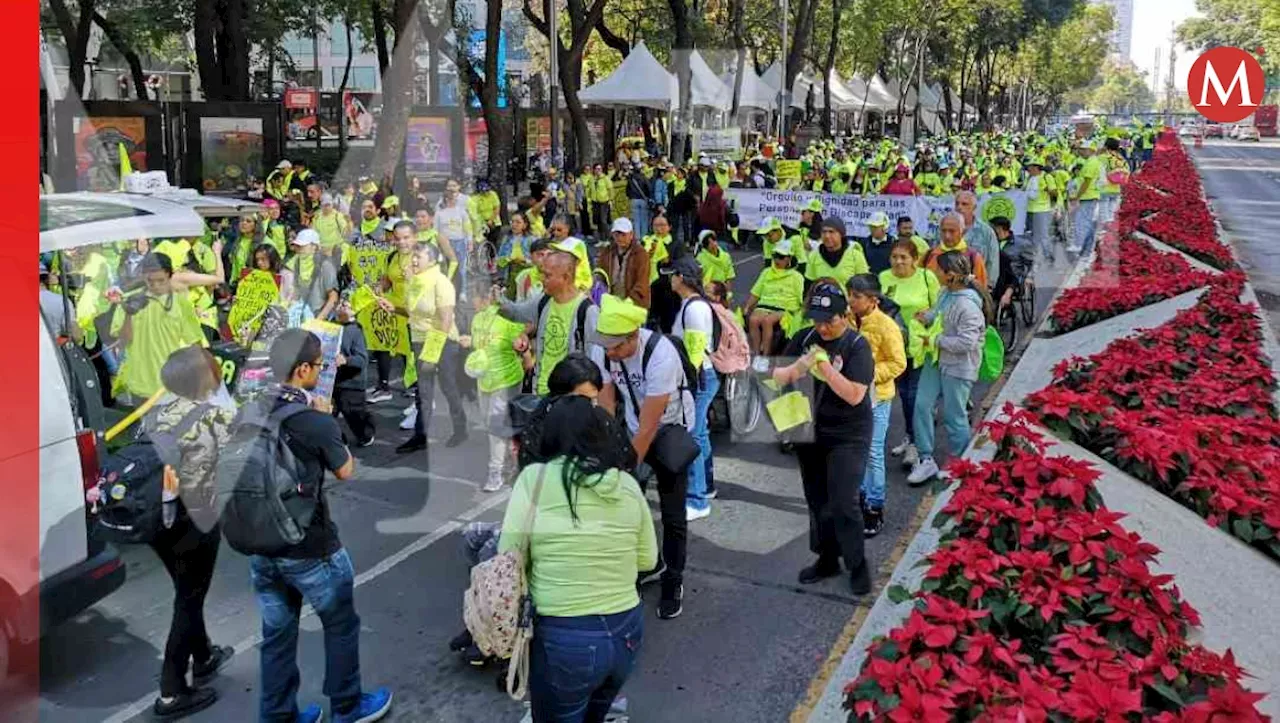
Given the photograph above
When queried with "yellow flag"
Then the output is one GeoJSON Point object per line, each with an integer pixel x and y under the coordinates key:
{"type": "Point", "coordinates": [126, 168]}
{"type": "Point", "coordinates": [789, 411]}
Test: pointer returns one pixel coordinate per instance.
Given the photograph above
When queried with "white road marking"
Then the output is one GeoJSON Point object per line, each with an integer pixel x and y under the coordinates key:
{"type": "Point", "coordinates": [144, 704]}
{"type": "Point", "coordinates": [752, 257]}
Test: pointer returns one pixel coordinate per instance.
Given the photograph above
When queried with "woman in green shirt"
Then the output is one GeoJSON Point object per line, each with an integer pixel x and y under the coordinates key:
{"type": "Point", "coordinates": [913, 289]}
{"type": "Point", "coordinates": [591, 533]}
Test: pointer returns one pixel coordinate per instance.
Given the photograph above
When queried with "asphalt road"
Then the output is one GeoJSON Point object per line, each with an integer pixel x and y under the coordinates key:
{"type": "Point", "coordinates": [1242, 180]}
{"type": "Point", "coordinates": [746, 648]}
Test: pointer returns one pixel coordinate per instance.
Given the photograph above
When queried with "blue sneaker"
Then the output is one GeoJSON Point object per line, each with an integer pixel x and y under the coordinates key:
{"type": "Point", "coordinates": [314, 713]}
{"type": "Point", "coordinates": [373, 706]}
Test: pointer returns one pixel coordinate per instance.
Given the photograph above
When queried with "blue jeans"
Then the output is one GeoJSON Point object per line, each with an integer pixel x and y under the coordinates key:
{"type": "Point", "coordinates": [1084, 222]}
{"type": "Point", "coordinates": [906, 385]}
{"type": "Point", "coordinates": [873, 480]}
{"type": "Point", "coordinates": [701, 468]}
{"type": "Point", "coordinates": [459, 246]}
{"type": "Point", "coordinates": [577, 665]}
{"type": "Point", "coordinates": [955, 418]}
{"type": "Point", "coordinates": [1040, 222]}
{"type": "Point", "coordinates": [640, 217]}
{"type": "Point", "coordinates": [282, 585]}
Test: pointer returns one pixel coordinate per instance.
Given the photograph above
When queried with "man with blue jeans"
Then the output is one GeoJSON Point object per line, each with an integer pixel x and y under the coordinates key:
{"type": "Point", "coordinates": [1087, 195]}
{"type": "Point", "coordinates": [455, 227]}
{"type": "Point", "coordinates": [317, 570]}
{"type": "Point", "coordinates": [639, 196]}
{"type": "Point", "coordinates": [695, 326]}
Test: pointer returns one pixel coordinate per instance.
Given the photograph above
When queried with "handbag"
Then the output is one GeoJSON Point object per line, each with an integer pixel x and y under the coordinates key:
{"type": "Point", "coordinates": [497, 607]}
{"type": "Point", "coordinates": [673, 448]}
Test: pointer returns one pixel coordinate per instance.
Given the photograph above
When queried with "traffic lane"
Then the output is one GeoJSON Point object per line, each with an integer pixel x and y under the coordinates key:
{"type": "Point", "coordinates": [109, 656]}
{"type": "Point", "coordinates": [1243, 182]}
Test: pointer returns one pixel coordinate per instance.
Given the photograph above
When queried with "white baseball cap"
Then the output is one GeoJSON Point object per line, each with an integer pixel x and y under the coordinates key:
{"type": "Point", "coordinates": [306, 237]}
{"type": "Point", "coordinates": [622, 225]}
{"type": "Point", "coordinates": [284, 166]}
{"type": "Point", "coordinates": [879, 218]}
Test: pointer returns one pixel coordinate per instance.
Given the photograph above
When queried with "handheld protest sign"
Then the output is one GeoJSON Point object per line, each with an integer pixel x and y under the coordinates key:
{"type": "Point", "coordinates": [330, 343]}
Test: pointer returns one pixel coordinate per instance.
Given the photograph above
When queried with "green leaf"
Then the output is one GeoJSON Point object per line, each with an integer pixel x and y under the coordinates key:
{"type": "Point", "coordinates": [898, 593]}
{"type": "Point", "coordinates": [1242, 529]}
{"type": "Point", "coordinates": [931, 584]}
{"type": "Point", "coordinates": [1169, 693]}
{"type": "Point", "coordinates": [888, 650]}
{"type": "Point", "coordinates": [1023, 610]}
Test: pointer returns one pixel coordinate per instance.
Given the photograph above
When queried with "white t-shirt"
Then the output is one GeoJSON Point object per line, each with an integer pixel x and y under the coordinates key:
{"type": "Point", "coordinates": [665, 376]}
{"type": "Point", "coordinates": [699, 315]}
{"type": "Point", "coordinates": [451, 220]}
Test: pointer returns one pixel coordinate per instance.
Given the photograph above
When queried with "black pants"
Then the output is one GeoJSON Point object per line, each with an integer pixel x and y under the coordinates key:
{"type": "Point", "coordinates": [603, 217]}
{"type": "Point", "coordinates": [675, 525]}
{"type": "Point", "coordinates": [832, 476]}
{"type": "Point", "coordinates": [447, 371]}
{"type": "Point", "coordinates": [350, 403]}
{"type": "Point", "coordinates": [383, 360]}
{"type": "Point", "coordinates": [189, 556]}
{"type": "Point", "coordinates": [584, 217]}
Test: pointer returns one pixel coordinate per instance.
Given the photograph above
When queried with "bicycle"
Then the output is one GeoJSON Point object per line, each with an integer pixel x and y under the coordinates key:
{"type": "Point", "coordinates": [1021, 305]}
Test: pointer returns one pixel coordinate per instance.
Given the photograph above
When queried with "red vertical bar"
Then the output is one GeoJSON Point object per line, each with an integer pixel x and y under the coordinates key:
{"type": "Point", "coordinates": [19, 362]}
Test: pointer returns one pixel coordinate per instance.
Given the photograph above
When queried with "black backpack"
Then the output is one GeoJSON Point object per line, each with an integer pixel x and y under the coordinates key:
{"type": "Point", "coordinates": [265, 506]}
{"type": "Point", "coordinates": [130, 510]}
{"type": "Point", "coordinates": [693, 380]}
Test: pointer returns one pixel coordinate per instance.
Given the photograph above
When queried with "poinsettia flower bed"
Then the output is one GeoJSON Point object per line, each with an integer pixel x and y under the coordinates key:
{"type": "Point", "coordinates": [1127, 274]}
{"type": "Point", "coordinates": [1182, 219]}
{"type": "Point", "coordinates": [1187, 408]}
{"type": "Point", "coordinates": [1038, 605]}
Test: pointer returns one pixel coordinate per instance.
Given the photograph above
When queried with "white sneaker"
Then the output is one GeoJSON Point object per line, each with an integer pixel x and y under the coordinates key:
{"type": "Point", "coordinates": [411, 409]}
{"type": "Point", "coordinates": [925, 470]}
{"type": "Point", "coordinates": [911, 457]}
{"type": "Point", "coordinates": [410, 419]}
{"type": "Point", "coordinates": [902, 447]}
{"type": "Point", "coordinates": [692, 514]}
{"type": "Point", "coordinates": [493, 485]}
{"type": "Point", "coordinates": [760, 364]}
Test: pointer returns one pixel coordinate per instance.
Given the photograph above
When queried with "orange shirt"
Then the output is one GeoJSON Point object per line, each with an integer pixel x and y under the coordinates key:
{"type": "Point", "coordinates": [979, 265]}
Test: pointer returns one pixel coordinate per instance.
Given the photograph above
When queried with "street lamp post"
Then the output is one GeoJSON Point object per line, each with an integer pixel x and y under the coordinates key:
{"type": "Point", "coordinates": [783, 91]}
{"type": "Point", "coordinates": [554, 33]}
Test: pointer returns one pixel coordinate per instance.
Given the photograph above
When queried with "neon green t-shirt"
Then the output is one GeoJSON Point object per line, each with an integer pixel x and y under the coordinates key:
{"type": "Point", "coordinates": [779, 289]}
{"type": "Point", "coordinates": [1039, 201]}
{"type": "Point", "coordinates": [656, 246]}
{"type": "Point", "coordinates": [494, 335]}
{"type": "Point", "coordinates": [333, 228]}
{"type": "Point", "coordinates": [165, 325]}
{"type": "Point", "coordinates": [716, 267]}
{"type": "Point", "coordinates": [1092, 172]}
{"type": "Point", "coordinates": [555, 338]}
{"type": "Point", "coordinates": [852, 263]}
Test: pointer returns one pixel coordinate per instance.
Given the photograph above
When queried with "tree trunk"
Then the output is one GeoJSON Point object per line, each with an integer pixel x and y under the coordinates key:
{"type": "Point", "coordinates": [946, 99]}
{"type": "Point", "coordinates": [680, 52]}
{"type": "Point", "coordinates": [397, 92]}
{"type": "Point", "coordinates": [583, 21]}
{"type": "Point", "coordinates": [75, 33]}
{"type": "Point", "coordinates": [380, 37]}
{"type": "Point", "coordinates": [222, 48]}
{"type": "Point", "coordinates": [342, 90]}
{"type": "Point", "coordinates": [130, 55]}
{"type": "Point", "coordinates": [799, 41]}
{"type": "Point", "coordinates": [737, 13]}
{"type": "Point", "coordinates": [837, 7]}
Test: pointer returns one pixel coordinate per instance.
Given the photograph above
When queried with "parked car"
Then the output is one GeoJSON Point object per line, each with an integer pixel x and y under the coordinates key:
{"type": "Point", "coordinates": [1190, 129]}
{"type": "Point", "coordinates": [75, 569]}
{"type": "Point", "coordinates": [1245, 132]}
{"type": "Point", "coordinates": [1214, 130]}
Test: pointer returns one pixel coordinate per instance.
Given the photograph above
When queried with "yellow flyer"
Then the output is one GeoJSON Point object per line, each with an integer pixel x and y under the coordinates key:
{"type": "Point", "coordinates": [789, 411]}
{"type": "Point", "coordinates": [433, 346]}
{"type": "Point", "coordinates": [255, 292]}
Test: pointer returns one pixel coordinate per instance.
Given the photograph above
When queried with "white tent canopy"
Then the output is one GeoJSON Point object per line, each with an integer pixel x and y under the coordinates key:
{"type": "Point", "coordinates": [706, 89]}
{"type": "Point", "coordinates": [844, 96]}
{"type": "Point", "coordinates": [640, 81]}
{"type": "Point", "coordinates": [755, 93]}
{"type": "Point", "coordinates": [878, 96]}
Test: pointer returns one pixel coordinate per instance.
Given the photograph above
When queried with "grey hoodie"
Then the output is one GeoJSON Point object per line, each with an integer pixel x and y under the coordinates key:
{"type": "Point", "coordinates": [963, 328]}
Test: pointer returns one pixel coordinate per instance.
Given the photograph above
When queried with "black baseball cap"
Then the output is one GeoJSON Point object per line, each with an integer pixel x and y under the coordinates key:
{"type": "Point", "coordinates": [826, 302]}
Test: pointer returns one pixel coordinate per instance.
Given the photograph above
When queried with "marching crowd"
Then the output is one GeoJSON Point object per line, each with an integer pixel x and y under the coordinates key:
{"type": "Point", "coordinates": [591, 348]}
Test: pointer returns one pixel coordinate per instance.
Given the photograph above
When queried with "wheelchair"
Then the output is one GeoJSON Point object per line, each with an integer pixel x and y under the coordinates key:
{"type": "Point", "coordinates": [1021, 306]}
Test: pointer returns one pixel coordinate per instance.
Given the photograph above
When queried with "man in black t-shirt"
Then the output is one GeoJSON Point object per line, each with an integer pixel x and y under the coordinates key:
{"type": "Point", "coordinates": [317, 570]}
{"type": "Point", "coordinates": [833, 464]}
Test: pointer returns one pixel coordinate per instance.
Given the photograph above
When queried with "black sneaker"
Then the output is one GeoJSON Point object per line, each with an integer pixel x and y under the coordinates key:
{"type": "Point", "coordinates": [416, 443]}
{"type": "Point", "coordinates": [219, 656]}
{"type": "Point", "coordinates": [860, 581]}
{"type": "Point", "coordinates": [672, 602]}
{"type": "Point", "coordinates": [461, 641]}
{"type": "Point", "coordinates": [820, 570]}
{"type": "Point", "coordinates": [184, 704]}
{"type": "Point", "coordinates": [872, 522]}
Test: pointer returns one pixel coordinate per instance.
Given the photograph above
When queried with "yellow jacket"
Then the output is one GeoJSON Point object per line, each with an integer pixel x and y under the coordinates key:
{"type": "Point", "coordinates": [885, 338]}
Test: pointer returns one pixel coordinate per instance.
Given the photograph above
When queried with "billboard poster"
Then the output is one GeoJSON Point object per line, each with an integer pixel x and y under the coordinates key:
{"type": "Point", "coordinates": [428, 146]}
{"type": "Point", "coordinates": [98, 150]}
{"type": "Point", "coordinates": [538, 135]}
{"type": "Point", "coordinates": [231, 153]}
{"type": "Point", "coordinates": [478, 145]}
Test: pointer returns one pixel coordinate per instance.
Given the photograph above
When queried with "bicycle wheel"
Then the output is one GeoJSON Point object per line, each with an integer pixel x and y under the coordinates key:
{"type": "Point", "coordinates": [742, 393]}
{"type": "Point", "coordinates": [1028, 304]}
{"type": "Point", "coordinates": [1007, 323]}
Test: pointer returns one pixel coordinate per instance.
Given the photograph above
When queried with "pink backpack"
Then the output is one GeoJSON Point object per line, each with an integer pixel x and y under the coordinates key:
{"type": "Point", "coordinates": [732, 353]}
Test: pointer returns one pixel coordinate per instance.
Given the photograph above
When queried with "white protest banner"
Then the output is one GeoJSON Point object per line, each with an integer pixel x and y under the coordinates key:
{"type": "Point", "coordinates": [752, 205]}
{"type": "Point", "coordinates": [723, 142]}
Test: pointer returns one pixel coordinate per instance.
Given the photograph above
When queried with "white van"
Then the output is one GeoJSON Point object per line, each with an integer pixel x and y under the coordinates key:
{"type": "Point", "coordinates": [75, 570]}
